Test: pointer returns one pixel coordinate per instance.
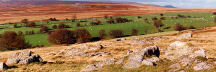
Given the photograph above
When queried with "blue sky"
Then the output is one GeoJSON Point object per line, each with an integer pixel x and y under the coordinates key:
{"type": "Point", "coordinates": [179, 3]}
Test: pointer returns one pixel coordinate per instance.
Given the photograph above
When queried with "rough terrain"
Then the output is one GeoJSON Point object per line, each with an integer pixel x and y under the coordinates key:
{"type": "Point", "coordinates": [196, 52]}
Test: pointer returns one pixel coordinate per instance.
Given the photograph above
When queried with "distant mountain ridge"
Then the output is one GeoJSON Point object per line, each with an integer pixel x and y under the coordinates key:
{"type": "Point", "coordinates": [170, 6]}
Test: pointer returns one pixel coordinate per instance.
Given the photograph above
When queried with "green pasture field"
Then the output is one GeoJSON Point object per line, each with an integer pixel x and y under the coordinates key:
{"type": "Point", "coordinates": [197, 20]}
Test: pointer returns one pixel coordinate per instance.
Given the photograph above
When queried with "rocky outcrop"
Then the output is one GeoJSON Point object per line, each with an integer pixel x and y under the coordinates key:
{"type": "Point", "coordinates": [83, 50]}
{"type": "Point", "coordinates": [174, 67]}
{"type": "Point", "coordinates": [202, 66]}
{"type": "Point", "coordinates": [99, 65]}
{"type": "Point", "coordinates": [187, 35]}
{"type": "Point", "coordinates": [140, 41]}
{"type": "Point", "coordinates": [25, 57]}
{"type": "Point", "coordinates": [3, 66]}
{"type": "Point", "coordinates": [136, 59]}
{"type": "Point", "coordinates": [179, 49]}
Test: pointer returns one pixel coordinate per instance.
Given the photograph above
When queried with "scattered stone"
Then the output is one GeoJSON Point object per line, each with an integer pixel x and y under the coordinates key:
{"type": "Point", "coordinates": [119, 61]}
{"type": "Point", "coordinates": [140, 41]}
{"type": "Point", "coordinates": [187, 35]}
{"type": "Point", "coordinates": [100, 54]}
{"type": "Point", "coordinates": [148, 63]}
{"type": "Point", "coordinates": [186, 61]}
{"type": "Point", "coordinates": [25, 57]}
{"type": "Point", "coordinates": [90, 67]}
{"type": "Point", "coordinates": [3, 66]}
{"type": "Point", "coordinates": [202, 66]}
{"type": "Point", "coordinates": [136, 58]}
{"type": "Point", "coordinates": [121, 39]}
{"type": "Point", "coordinates": [175, 67]}
{"type": "Point", "coordinates": [99, 65]}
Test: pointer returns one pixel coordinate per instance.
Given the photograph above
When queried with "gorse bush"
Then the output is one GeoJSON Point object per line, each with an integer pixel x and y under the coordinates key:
{"type": "Point", "coordinates": [44, 29]}
{"type": "Point", "coordinates": [134, 32]}
{"type": "Point", "coordinates": [11, 41]}
{"type": "Point", "coordinates": [116, 33]}
{"type": "Point", "coordinates": [62, 36]}
{"type": "Point", "coordinates": [102, 34]}
{"type": "Point", "coordinates": [179, 27]}
{"type": "Point", "coordinates": [82, 35]}
{"type": "Point", "coordinates": [62, 25]}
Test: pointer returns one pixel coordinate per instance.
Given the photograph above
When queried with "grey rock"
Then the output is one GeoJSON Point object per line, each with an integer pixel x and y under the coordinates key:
{"type": "Point", "coordinates": [136, 58]}
{"type": "Point", "coordinates": [174, 67]}
{"type": "Point", "coordinates": [202, 66]}
{"type": "Point", "coordinates": [107, 61]}
{"type": "Point", "coordinates": [90, 67]}
{"type": "Point", "coordinates": [3, 66]}
{"type": "Point", "coordinates": [186, 61]}
{"type": "Point", "coordinates": [140, 41]}
{"type": "Point", "coordinates": [99, 65]}
{"type": "Point", "coordinates": [153, 59]}
{"type": "Point", "coordinates": [187, 35]}
{"type": "Point", "coordinates": [177, 49]}
{"type": "Point", "coordinates": [119, 61]}
{"type": "Point", "coordinates": [148, 63]}
{"type": "Point", "coordinates": [24, 58]}
{"type": "Point", "coordinates": [99, 54]}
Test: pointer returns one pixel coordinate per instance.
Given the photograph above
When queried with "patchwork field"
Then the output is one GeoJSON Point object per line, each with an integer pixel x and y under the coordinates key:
{"type": "Point", "coordinates": [198, 20]}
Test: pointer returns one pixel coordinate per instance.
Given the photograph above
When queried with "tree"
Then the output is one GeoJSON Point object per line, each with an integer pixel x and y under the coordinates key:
{"type": "Point", "coordinates": [25, 21]}
{"type": "Point", "coordinates": [32, 24]}
{"type": "Point", "coordinates": [116, 33]}
{"type": "Point", "coordinates": [54, 26]}
{"type": "Point", "coordinates": [78, 24]}
{"type": "Point", "coordinates": [82, 35]}
{"type": "Point", "coordinates": [134, 32]}
{"type": "Point", "coordinates": [158, 24]}
{"type": "Point", "coordinates": [62, 25]}
{"type": "Point", "coordinates": [11, 41]}
{"type": "Point", "coordinates": [62, 36]}
{"type": "Point", "coordinates": [179, 27]}
{"type": "Point", "coordinates": [102, 34]}
{"type": "Point", "coordinates": [44, 29]}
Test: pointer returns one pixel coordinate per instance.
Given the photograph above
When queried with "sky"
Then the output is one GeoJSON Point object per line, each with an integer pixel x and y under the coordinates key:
{"type": "Point", "coordinates": [179, 3]}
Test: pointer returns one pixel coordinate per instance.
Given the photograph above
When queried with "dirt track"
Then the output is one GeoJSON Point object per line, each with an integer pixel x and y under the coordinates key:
{"type": "Point", "coordinates": [33, 13]}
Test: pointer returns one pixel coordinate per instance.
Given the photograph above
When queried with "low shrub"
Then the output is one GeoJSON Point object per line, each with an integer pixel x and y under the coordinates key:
{"type": "Point", "coordinates": [116, 33]}
{"type": "Point", "coordinates": [179, 27]}
{"type": "Point", "coordinates": [62, 36]}
{"type": "Point", "coordinates": [134, 32]}
{"type": "Point", "coordinates": [102, 34]}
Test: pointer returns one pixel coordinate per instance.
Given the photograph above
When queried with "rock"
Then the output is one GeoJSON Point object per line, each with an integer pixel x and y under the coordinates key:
{"type": "Point", "coordinates": [153, 59]}
{"type": "Point", "coordinates": [99, 65]}
{"type": "Point", "coordinates": [107, 61]}
{"type": "Point", "coordinates": [186, 61]}
{"type": "Point", "coordinates": [200, 52]}
{"type": "Point", "coordinates": [24, 58]}
{"type": "Point", "coordinates": [202, 66]}
{"type": "Point", "coordinates": [90, 67]}
{"type": "Point", "coordinates": [121, 39]}
{"type": "Point", "coordinates": [174, 67]}
{"type": "Point", "coordinates": [82, 50]}
{"type": "Point", "coordinates": [136, 58]}
{"type": "Point", "coordinates": [99, 54]}
{"type": "Point", "coordinates": [177, 50]}
{"type": "Point", "coordinates": [119, 61]}
{"type": "Point", "coordinates": [187, 35]}
{"type": "Point", "coordinates": [3, 66]}
{"type": "Point", "coordinates": [140, 41]}
{"type": "Point", "coordinates": [145, 62]}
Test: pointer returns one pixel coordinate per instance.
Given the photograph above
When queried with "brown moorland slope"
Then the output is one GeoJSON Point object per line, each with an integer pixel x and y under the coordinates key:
{"type": "Point", "coordinates": [15, 12]}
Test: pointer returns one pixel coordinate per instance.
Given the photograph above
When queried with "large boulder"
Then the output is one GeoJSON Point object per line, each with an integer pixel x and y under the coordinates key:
{"type": "Point", "coordinates": [178, 49]}
{"type": "Point", "coordinates": [187, 35]}
{"type": "Point", "coordinates": [25, 57]}
{"type": "Point", "coordinates": [3, 66]}
{"type": "Point", "coordinates": [136, 59]}
{"type": "Point", "coordinates": [202, 66]}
